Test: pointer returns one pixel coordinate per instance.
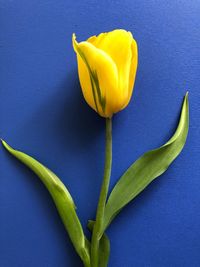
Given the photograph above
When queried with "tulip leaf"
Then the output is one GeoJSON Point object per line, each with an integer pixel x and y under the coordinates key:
{"type": "Point", "coordinates": [104, 251]}
{"type": "Point", "coordinates": [62, 199]}
{"type": "Point", "coordinates": [148, 167]}
{"type": "Point", "coordinates": [104, 247]}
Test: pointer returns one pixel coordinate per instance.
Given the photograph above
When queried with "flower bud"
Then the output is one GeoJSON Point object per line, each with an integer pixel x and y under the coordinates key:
{"type": "Point", "coordinates": [107, 66]}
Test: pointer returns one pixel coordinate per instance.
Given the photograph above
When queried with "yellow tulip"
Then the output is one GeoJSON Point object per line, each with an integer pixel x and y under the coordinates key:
{"type": "Point", "coordinates": [107, 66]}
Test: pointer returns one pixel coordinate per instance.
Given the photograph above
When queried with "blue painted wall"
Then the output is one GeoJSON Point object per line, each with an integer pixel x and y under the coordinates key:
{"type": "Point", "coordinates": [42, 112]}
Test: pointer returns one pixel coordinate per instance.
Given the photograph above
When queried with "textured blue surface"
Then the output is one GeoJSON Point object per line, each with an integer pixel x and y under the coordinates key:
{"type": "Point", "coordinates": [43, 113]}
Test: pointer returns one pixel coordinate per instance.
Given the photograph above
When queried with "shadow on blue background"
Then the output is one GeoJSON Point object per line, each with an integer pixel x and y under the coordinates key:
{"type": "Point", "coordinates": [43, 113]}
{"type": "Point", "coordinates": [67, 117]}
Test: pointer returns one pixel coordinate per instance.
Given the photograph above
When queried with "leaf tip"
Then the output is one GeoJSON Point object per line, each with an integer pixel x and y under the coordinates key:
{"type": "Point", "coordinates": [186, 100]}
{"type": "Point", "coordinates": [5, 145]}
{"type": "Point", "coordinates": [3, 142]}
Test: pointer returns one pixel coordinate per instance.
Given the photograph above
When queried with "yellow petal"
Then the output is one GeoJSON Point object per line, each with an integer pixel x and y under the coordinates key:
{"type": "Point", "coordinates": [98, 77]}
{"type": "Point", "coordinates": [133, 70]}
{"type": "Point", "coordinates": [117, 44]}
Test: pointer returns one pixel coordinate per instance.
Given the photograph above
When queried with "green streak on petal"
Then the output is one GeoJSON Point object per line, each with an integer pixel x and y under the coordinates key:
{"type": "Point", "coordinates": [93, 92]}
{"type": "Point", "coordinates": [100, 98]}
{"type": "Point", "coordinates": [94, 82]}
{"type": "Point", "coordinates": [81, 54]}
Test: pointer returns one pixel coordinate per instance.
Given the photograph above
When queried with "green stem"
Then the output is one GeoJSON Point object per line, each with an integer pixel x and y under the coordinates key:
{"type": "Point", "coordinates": [96, 234]}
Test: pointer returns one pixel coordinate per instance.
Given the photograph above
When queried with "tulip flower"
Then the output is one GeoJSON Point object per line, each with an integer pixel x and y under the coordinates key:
{"type": "Point", "coordinates": [107, 66]}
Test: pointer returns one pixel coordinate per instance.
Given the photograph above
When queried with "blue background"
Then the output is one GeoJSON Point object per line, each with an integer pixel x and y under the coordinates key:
{"type": "Point", "coordinates": [43, 113]}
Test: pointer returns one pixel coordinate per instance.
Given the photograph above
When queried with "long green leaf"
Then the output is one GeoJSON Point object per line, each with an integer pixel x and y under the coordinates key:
{"type": "Point", "coordinates": [62, 199]}
{"type": "Point", "coordinates": [149, 166]}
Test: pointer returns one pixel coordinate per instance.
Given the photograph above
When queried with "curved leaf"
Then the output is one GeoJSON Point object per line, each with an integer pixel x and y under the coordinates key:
{"type": "Point", "coordinates": [62, 199]}
{"type": "Point", "coordinates": [148, 167]}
